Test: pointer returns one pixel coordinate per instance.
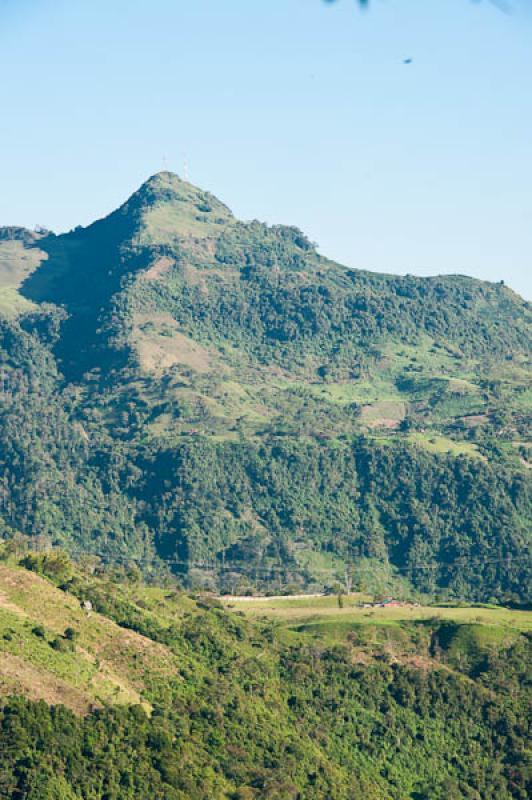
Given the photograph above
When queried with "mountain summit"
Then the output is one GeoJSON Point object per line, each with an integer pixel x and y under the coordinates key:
{"type": "Point", "coordinates": [167, 207]}
{"type": "Point", "coordinates": [167, 187]}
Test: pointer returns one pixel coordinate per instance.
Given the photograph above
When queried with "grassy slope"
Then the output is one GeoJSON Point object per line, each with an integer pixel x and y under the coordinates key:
{"type": "Point", "coordinates": [16, 262]}
{"type": "Point", "coordinates": [109, 663]}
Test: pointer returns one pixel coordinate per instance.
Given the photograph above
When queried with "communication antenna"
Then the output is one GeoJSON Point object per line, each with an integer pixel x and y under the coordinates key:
{"type": "Point", "coordinates": [185, 168]}
{"type": "Point", "coordinates": [165, 163]}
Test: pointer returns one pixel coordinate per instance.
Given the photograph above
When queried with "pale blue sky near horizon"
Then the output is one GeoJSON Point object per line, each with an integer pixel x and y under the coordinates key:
{"type": "Point", "coordinates": [293, 111]}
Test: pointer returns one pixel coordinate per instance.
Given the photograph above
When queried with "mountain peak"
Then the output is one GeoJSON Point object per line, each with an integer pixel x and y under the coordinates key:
{"type": "Point", "coordinates": [170, 207]}
{"type": "Point", "coordinates": [164, 180]}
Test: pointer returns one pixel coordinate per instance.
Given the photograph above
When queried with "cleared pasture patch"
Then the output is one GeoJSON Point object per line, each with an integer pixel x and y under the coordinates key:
{"type": "Point", "coordinates": [17, 262]}
{"type": "Point", "coordinates": [324, 609]}
{"type": "Point", "coordinates": [160, 345]}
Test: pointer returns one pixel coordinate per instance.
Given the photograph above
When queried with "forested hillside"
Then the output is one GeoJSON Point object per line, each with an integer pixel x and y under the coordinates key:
{"type": "Point", "coordinates": [155, 693]}
{"type": "Point", "coordinates": [184, 391]}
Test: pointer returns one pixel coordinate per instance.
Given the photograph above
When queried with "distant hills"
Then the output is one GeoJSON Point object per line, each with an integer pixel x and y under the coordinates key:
{"type": "Point", "coordinates": [182, 390]}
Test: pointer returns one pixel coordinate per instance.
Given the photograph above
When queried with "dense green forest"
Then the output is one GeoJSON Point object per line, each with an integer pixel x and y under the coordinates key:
{"type": "Point", "coordinates": [187, 392]}
{"type": "Point", "coordinates": [267, 506]}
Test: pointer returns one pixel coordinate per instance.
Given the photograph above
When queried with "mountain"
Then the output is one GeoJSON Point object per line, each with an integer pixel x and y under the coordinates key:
{"type": "Point", "coordinates": [186, 391]}
{"type": "Point", "coordinates": [154, 693]}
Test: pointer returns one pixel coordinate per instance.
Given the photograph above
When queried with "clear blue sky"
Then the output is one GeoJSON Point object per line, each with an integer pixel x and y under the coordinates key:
{"type": "Point", "coordinates": [293, 111]}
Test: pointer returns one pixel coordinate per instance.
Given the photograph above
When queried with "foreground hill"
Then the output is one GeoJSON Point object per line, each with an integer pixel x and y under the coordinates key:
{"type": "Point", "coordinates": [155, 693]}
{"type": "Point", "coordinates": [181, 388]}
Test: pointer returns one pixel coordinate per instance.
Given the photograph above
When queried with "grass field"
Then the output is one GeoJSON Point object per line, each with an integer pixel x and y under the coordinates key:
{"type": "Point", "coordinates": [12, 303]}
{"type": "Point", "coordinates": [322, 611]}
{"type": "Point", "coordinates": [435, 443]}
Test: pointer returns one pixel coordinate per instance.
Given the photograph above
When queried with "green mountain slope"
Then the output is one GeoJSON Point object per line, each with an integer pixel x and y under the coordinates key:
{"type": "Point", "coordinates": [154, 693]}
{"type": "Point", "coordinates": [183, 388]}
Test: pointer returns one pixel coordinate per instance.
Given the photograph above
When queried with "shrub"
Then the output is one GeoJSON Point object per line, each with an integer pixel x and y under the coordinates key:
{"type": "Point", "coordinates": [61, 645]}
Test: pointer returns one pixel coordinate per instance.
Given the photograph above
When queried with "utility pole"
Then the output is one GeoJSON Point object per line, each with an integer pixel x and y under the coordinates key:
{"type": "Point", "coordinates": [348, 580]}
